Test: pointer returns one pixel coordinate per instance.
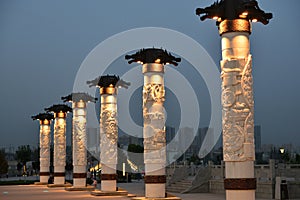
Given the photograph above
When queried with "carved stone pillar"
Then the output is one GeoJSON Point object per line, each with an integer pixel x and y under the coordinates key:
{"type": "Point", "coordinates": [59, 147]}
{"type": "Point", "coordinates": [234, 19]}
{"type": "Point", "coordinates": [154, 130]}
{"type": "Point", "coordinates": [60, 113]}
{"type": "Point", "coordinates": [79, 144]}
{"type": "Point", "coordinates": [108, 138]}
{"type": "Point", "coordinates": [45, 139]}
{"type": "Point", "coordinates": [153, 61]}
{"type": "Point", "coordinates": [238, 110]}
{"type": "Point", "coordinates": [79, 102]}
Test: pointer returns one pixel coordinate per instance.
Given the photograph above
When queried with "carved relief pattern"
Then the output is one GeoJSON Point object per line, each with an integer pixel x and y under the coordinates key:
{"type": "Point", "coordinates": [108, 133]}
{"type": "Point", "coordinates": [153, 93]}
{"type": "Point", "coordinates": [154, 123]}
{"type": "Point", "coordinates": [45, 145]}
{"type": "Point", "coordinates": [237, 101]}
{"type": "Point", "coordinates": [60, 142]}
{"type": "Point", "coordinates": [79, 140]}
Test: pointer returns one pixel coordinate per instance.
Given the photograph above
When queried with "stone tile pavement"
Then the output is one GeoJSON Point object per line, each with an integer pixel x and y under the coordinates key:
{"type": "Point", "coordinates": [35, 192]}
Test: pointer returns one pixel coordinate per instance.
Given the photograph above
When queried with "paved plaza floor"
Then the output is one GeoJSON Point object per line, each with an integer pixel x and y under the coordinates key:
{"type": "Point", "coordinates": [38, 192]}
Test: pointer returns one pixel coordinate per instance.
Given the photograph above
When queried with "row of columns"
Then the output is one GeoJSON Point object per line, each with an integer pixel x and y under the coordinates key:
{"type": "Point", "coordinates": [237, 101]}
{"type": "Point", "coordinates": [79, 140]}
{"type": "Point", "coordinates": [234, 22]}
{"type": "Point", "coordinates": [154, 126]}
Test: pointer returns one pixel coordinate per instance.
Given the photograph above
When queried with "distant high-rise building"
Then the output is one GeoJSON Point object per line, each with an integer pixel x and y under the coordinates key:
{"type": "Point", "coordinates": [93, 140]}
{"type": "Point", "coordinates": [170, 134]}
{"type": "Point", "coordinates": [257, 138]}
{"type": "Point", "coordinates": [205, 136]}
{"type": "Point", "coordinates": [186, 136]}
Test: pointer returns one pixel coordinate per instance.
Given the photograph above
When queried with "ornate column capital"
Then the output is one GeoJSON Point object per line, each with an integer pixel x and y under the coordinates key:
{"type": "Point", "coordinates": [236, 25]}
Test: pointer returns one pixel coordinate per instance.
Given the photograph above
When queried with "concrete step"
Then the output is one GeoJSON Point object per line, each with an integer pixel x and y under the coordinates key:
{"type": "Point", "coordinates": [180, 186]}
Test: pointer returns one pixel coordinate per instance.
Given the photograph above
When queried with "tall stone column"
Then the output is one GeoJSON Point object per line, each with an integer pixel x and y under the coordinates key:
{"type": "Point", "coordinates": [153, 61]}
{"type": "Point", "coordinates": [108, 130]}
{"type": "Point", "coordinates": [108, 138]}
{"type": "Point", "coordinates": [234, 22]}
{"type": "Point", "coordinates": [60, 113]}
{"type": "Point", "coordinates": [79, 103]}
{"type": "Point", "coordinates": [154, 130]}
{"type": "Point", "coordinates": [238, 112]}
{"type": "Point", "coordinates": [45, 140]}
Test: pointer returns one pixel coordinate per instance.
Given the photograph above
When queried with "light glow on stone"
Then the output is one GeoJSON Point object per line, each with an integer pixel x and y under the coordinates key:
{"type": "Point", "coordinates": [123, 169]}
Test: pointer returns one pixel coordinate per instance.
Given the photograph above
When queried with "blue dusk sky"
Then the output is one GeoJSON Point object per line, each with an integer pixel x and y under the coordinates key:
{"type": "Point", "coordinates": [44, 42]}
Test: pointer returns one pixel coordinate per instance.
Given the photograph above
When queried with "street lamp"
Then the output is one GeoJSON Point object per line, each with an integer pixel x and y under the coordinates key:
{"type": "Point", "coordinates": [233, 18]}
{"type": "Point", "coordinates": [281, 149]}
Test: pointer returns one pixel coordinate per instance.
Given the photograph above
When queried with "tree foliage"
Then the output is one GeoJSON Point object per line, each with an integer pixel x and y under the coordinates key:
{"type": "Point", "coordinates": [3, 163]}
{"type": "Point", "coordinates": [23, 154]}
{"type": "Point", "coordinates": [135, 148]}
{"type": "Point", "coordinates": [135, 154]}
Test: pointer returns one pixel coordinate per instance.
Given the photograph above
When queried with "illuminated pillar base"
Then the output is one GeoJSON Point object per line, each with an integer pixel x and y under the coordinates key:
{"type": "Point", "coordinates": [239, 194]}
{"type": "Point", "coordinates": [44, 179]}
{"type": "Point", "coordinates": [59, 180]}
{"type": "Point", "coordinates": [108, 178]}
{"type": "Point", "coordinates": [155, 190]}
{"type": "Point", "coordinates": [108, 185]}
{"type": "Point", "coordinates": [79, 176]}
{"type": "Point", "coordinates": [59, 175]}
{"type": "Point", "coordinates": [79, 182]}
{"type": "Point", "coordinates": [237, 176]}
{"type": "Point", "coordinates": [44, 174]}
{"type": "Point", "coordinates": [155, 181]}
